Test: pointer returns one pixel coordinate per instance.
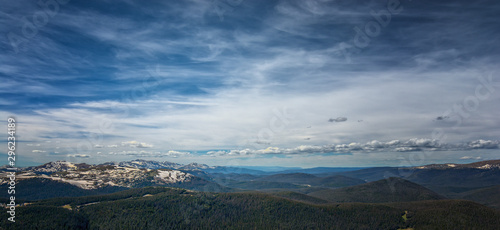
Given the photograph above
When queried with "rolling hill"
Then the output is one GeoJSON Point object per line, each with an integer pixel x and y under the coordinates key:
{"type": "Point", "coordinates": [489, 196]}
{"type": "Point", "coordinates": [260, 185]}
{"type": "Point", "coordinates": [299, 197]}
{"type": "Point", "coordinates": [312, 180]}
{"type": "Point", "coordinates": [388, 190]}
{"type": "Point", "coordinates": [450, 180]}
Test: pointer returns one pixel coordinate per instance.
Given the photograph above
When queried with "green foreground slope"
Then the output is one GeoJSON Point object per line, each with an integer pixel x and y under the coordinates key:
{"type": "Point", "coordinates": [172, 208]}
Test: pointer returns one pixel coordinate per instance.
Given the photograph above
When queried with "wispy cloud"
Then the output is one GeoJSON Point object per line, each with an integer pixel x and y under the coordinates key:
{"type": "Point", "coordinates": [174, 77]}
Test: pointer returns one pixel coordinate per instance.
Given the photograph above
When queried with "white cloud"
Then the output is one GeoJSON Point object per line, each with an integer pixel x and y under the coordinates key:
{"type": "Point", "coordinates": [78, 155]}
{"type": "Point", "coordinates": [415, 144]}
{"type": "Point", "coordinates": [170, 153]}
{"type": "Point", "coordinates": [135, 144]}
{"type": "Point", "coordinates": [470, 158]}
{"type": "Point", "coordinates": [484, 144]}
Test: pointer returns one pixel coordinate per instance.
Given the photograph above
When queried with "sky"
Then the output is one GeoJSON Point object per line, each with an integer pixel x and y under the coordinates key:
{"type": "Point", "coordinates": [299, 83]}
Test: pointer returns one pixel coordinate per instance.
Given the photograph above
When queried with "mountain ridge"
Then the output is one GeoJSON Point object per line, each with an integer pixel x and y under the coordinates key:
{"type": "Point", "coordinates": [388, 190]}
{"type": "Point", "coordinates": [487, 164]}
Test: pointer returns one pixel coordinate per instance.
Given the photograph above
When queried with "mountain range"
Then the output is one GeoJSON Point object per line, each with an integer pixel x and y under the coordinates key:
{"type": "Point", "coordinates": [397, 197]}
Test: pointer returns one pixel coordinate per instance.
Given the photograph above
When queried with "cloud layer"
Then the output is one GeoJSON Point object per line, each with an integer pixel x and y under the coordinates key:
{"type": "Point", "coordinates": [372, 146]}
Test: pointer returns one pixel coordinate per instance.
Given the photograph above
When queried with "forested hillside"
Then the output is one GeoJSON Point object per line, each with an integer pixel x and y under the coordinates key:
{"type": "Point", "coordinates": [173, 208]}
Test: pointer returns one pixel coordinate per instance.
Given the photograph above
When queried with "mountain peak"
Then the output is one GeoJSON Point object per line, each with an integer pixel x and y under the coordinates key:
{"type": "Point", "coordinates": [149, 164]}
{"type": "Point", "coordinates": [194, 165]}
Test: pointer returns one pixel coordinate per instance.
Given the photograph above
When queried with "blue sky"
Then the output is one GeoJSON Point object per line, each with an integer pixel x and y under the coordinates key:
{"type": "Point", "coordinates": [287, 83]}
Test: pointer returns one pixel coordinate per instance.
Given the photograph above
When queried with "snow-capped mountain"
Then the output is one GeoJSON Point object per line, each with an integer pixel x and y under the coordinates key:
{"type": "Point", "coordinates": [97, 176]}
{"type": "Point", "coordinates": [145, 164]}
{"type": "Point", "coordinates": [57, 166]}
{"type": "Point", "coordinates": [195, 166]}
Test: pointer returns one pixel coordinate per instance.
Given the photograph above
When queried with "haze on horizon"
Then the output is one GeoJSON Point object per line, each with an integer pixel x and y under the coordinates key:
{"type": "Point", "coordinates": [270, 83]}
